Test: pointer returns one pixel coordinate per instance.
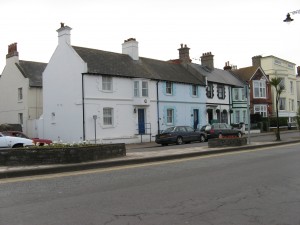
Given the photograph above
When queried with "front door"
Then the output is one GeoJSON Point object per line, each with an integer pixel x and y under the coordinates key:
{"type": "Point", "coordinates": [196, 118]}
{"type": "Point", "coordinates": [141, 121]}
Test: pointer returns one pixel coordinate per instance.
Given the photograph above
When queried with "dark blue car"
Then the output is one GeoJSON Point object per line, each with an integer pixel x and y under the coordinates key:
{"type": "Point", "coordinates": [179, 135]}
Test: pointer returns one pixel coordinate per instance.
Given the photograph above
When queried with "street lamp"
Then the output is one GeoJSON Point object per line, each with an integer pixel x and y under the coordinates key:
{"type": "Point", "coordinates": [288, 18]}
{"type": "Point", "coordinates": [95, 118]}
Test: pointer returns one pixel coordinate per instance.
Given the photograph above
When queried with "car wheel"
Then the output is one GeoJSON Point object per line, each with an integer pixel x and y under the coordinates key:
{"type": "Point", "coordinates": [202, 138]}
{"type": "Point", "coordinates": [239, 134]}
{"type": "Point", "coordinates": [220, 135]}
{"type": "Point", "coordinates": [179, 140]}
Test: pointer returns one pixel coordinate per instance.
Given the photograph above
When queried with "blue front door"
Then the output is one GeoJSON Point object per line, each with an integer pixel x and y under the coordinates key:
{"type": "Point", "coordinates": [141, 119]}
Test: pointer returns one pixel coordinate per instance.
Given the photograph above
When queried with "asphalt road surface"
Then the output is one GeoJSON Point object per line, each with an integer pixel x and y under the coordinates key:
{"type": "Point", "coordinates": [252, 187]}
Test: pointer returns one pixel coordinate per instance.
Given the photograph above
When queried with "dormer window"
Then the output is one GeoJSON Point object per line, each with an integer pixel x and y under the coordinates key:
{"type": "Point", "coordinates": [210, 90]}
{"type": "Point", "coordinates": [259, 87]}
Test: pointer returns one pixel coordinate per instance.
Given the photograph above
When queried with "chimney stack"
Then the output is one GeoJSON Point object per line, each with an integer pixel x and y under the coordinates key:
{"type": "Point", "coordinates": [131, 47]}
{"type": "Point", "coordinates": [227, 66]}
{"type": "Point", "coordinates": [256, 60]}
{"type": "Point", "coordinates": [184, 54]}
{"type": "Point", "coordinates": [64, 34]}
{"type": "Point", "coordinates": [12, 50]}
{"type": "Point", "coordinates": [207, 59]}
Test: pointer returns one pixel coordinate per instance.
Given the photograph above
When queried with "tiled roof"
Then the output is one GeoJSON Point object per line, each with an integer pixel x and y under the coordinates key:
{"type": "Point", "coordinates": [219, 76]}
{"type": "Point", "coordinates": [116, 64]}
{"type": "Point", "coordinates": [245, 73]}
{"type": "Point", "coordinates": [33, 71]}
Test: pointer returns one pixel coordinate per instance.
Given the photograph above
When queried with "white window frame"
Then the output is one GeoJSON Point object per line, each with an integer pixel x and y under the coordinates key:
{"type": "Point", "coordinates": [237, 116]}
{"type": "Point", "coordinates": [107, 83]}
{"type": "Point", "coordinates": [136, 88]}
{"type": "Point", "coordinates": [108, 114]}
{"type": "Point", "coordinates": [259, 89]}
{"type": "Point", "coordinates": [170, 116]}
{"type": "Point", "coordinates": [20, 94]}
{"type": "Point", "coordinates": [261, 109]}
{"type": "Point", "coordinates": [169, 88]}
{"type": "Point", "coordinates": [221, 91]}
{"type": "Point", "coordinates": [144, 88]}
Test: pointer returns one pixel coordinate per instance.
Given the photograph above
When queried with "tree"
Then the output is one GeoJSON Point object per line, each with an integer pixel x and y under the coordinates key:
{"type": "Point", "coordinates": [279, 87]}
{"type": "Point", "coordinates": [298, 118]}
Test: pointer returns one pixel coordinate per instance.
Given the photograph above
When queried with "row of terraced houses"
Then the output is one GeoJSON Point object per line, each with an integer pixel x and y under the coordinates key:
{"type": "Point", "coordinates": [83, 93]}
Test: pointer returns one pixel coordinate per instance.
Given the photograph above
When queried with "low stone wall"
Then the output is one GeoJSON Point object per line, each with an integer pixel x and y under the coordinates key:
{"type": "Point", "coordinates": [61, 155]}
{"type": "Point", "coordinates": [227, 142]}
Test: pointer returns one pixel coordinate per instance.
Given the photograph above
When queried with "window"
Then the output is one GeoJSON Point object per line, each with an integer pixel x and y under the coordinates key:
{"type": "Point", "coordinates": [282, 82]}
{"type": "Point", "coordinates": [259, 87]}
{"type": "Point", "coordinates": [136, 89]}
{"type": "Point", "coordinates": [194, 90]}
{"type": "Point", "coordinates": [236, 94]}
{"type": "Point", "coordinates": [170, 115]}
{"type": "Point", "coordinates": [20, 118]}
{"type": "Point", "coordinates": [221, 91]}
{"type": "Point", "coordinates": [20, 94]}
{"type": "Point", "coordinates": [291, 87]}
{"type": "Point", "coordinates": [281, 103]}
{"type": "Point", "coordinates": [210, 91]}
{"type": "Point", "coordinates": [237, 116]}
{"type": "Point", "coordinates": [107, 116]}
{"type": "Point", "coordinates": [260, 109]}
{"type": "Point", "coordinates": [292, 105]}
{"type": "Point", "coordinates": [244, 94]}
{"type": "Point", "coordinates": [106, 83]}
{"type": "Point", "coordinates": [244, 116]}
{"type": "Point", "coordinates": [169, 88]}
{"type": "Point", "coordinates": [145, 89]}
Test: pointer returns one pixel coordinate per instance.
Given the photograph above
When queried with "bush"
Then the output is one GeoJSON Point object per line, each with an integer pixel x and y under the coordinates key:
{"type": "Point", "coordinates": [282, 121]}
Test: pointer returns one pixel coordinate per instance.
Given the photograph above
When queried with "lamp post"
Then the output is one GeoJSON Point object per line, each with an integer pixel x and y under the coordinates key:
{"type": "Point", "coordinates": [95, 118]}
{"type": "Point", "coordinates": [288, 18]}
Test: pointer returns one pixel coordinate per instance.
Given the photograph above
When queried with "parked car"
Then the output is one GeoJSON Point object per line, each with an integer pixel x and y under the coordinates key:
{"type": "Point", "coordinates": [218, 130]}
{"type": "Point", "coordinates": [7, 141]}
{"type": "Point", "coordinates": [36, 141]}
{"type": "Point", "coordinates": [179, 135]}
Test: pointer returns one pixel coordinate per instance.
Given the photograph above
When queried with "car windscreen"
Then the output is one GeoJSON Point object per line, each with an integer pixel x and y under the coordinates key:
{"type": "Point", "coordinates": [168, 130]}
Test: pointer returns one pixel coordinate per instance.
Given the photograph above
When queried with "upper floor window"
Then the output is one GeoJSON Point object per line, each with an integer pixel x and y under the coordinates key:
{"type": "Point", "coordinates": [281, 103]}
{"type": "Point", "coordinates": [292, 105]}
{"type": "Point", "coordinates": [136, 89]}
{"type": "Point", "coordinates": [170, 116]}
{"type": "Point", "coordinates": [169, 88]}
{"type": "Point", "coordinates": [221, 91]}
{"type": "Point", "coordinates": [236, 94]}
{"type": "Point", "coordinates": [210, 90]}
{"type": "Point", "coordinates": [20, 94]}
{"type": "Point", "coordinates": [291, 87]}
{"type": "Point", "coordinates": [106, 83]}
{"type": "Point", "coordinates": [259, 87]}
{"type": "Point", "coordinates": [194, 90]}
{"type": "Point", "coordinates": [107, 116]}
{"type": "Point", "coordinates": [145, 89]}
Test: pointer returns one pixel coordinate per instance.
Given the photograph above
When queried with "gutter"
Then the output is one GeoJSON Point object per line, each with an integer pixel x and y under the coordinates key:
{"type": "Point", "coordinates": [83, 109]}
{"type": "Point", "coordinates": [157, 102]}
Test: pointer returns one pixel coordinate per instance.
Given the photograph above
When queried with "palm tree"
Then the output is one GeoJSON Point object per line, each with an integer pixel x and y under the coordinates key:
{"type": "Point", "coordinates": [279, 87]}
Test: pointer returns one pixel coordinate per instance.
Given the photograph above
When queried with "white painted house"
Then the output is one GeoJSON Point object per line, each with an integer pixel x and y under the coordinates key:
{"type": "Point", "coordinates": [21, 99]}
{"type": "Point", "coordinates": [108, 97]}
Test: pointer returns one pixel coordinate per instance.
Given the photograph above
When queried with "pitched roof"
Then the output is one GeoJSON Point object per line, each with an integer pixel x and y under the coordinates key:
{"type": "Point", "coordinates": [245, 73]}
{"type": "Point", "coordinates": [219, 76]}
{"type": "Point", "coordinates": [116, 64]}
{"type": "Point", "coordinates": [33, 71]}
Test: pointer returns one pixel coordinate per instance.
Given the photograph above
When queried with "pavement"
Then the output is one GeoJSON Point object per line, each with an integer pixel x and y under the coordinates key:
{"type": "Point", "coordinates": [143, 155]}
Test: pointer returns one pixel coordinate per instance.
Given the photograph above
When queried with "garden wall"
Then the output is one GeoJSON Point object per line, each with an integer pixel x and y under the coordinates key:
{"type": "Point", "coordinates": [227, 142]}
{"type": "Point", "coordinates": [61, 155]}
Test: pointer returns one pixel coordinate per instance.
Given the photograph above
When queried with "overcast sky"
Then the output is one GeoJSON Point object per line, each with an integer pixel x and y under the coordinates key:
{"type": "Point", "coordinates": [233, 30]}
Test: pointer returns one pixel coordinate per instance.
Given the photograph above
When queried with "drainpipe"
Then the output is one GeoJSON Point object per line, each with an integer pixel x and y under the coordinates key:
{"type": "Point", "coordinates": [157, 102]}
{"type": "Point", "coordinates": [83, 116]}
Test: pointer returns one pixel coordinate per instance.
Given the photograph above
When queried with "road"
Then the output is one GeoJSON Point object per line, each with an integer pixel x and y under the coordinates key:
{"type": "Point", "coordinates": [252, 187]}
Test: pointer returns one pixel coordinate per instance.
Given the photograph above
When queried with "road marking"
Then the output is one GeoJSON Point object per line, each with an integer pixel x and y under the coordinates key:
{"type": "Point", "coordinates": [102, 170]}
